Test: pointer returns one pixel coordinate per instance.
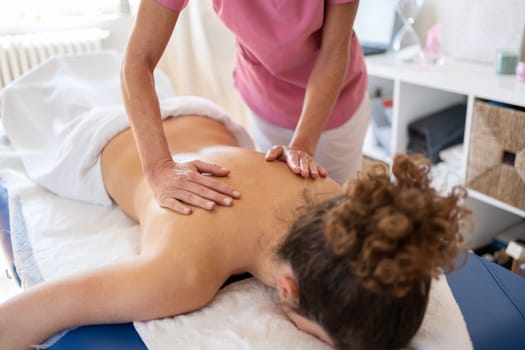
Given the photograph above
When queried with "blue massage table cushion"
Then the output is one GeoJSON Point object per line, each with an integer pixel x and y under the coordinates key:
{"type": "Point", "coordinates": [491, 299]}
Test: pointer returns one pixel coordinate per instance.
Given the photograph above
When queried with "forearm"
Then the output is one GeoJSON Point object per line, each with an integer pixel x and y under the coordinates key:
{"type": "Point", "coordinates": [142, 107]}
{"type": "Point", "coordinates": [149, 37]}
{"type": "Point", "coordinates": [322, 92]}
{"type": "Point", "coordinates": [328, 75]}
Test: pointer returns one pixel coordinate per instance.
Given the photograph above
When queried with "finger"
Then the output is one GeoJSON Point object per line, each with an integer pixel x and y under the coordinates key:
{"type": "Point", "coordinates": [314, 172]}
{"type": "Point", "coordinates": [194, 199]}
{"type": "Point", "coordinates": [175, 205]}
{"type": "Point", "coordinates": [208, 194]}
{"type": "Point", "coordinates": [293, 162]}
{"type": "Point", "coordinates": [304, 163]}
{"type": "Point", "coordinates": [322, 171]}
{"type": "Point", "coordinates": [210, 187]}
{"type": "Point", "coordinates": [214, 169]}
{"type": "Point", "coordinates": [274, 153]}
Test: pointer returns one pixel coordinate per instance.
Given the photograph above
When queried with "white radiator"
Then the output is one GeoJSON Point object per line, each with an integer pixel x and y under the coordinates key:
{"type": "Point", "coordinates": [18, 53]}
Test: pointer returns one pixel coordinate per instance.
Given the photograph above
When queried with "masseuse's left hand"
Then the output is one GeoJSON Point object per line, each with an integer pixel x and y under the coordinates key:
{"type": "Point", "coordinates": [299, 161]}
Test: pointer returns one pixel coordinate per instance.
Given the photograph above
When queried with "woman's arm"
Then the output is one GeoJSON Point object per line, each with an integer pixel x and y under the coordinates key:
{"type": "Point", "coordinates": [322, 91]}
{"type": "Point", "coordinates": [172, 183]}
{"type": "Point", "coordinates": [143, 288]}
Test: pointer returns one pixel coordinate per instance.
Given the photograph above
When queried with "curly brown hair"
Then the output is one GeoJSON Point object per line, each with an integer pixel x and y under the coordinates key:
{"type": "Point", "coordinates": [364, 260]}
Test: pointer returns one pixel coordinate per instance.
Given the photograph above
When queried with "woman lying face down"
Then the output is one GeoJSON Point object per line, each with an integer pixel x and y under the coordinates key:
{"type": "Point", "coordinates": [363, 261]}
{"type": "Point", "coordinates": [351, 266]}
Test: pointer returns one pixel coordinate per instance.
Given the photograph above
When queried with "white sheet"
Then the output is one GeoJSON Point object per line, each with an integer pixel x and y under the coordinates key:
{"type": "Point", "coordinates": [54, 237]}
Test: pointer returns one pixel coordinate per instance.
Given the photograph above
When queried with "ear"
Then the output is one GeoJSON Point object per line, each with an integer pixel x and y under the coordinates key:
{"type": "Point", "coordinates": [288, 290]}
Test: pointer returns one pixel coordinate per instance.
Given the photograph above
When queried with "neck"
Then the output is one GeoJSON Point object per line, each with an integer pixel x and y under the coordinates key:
{"type": "Point", "coordinates": [264, 263]}
{"type": "Point", "coordinates": [268, 268]}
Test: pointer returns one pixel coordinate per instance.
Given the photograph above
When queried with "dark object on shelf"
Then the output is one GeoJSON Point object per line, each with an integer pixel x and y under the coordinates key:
{"type": "Point", "coordinates": [371, 50]}
{"type": "Point", "coordinates": [437, 131]}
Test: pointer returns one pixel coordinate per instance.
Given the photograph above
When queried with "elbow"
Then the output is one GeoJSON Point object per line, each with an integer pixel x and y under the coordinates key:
{"type": "Point", "coordinates": [335, 56]}
{"type": "Point", "coordinates": [134, 71]}
{"type": "Point", "coordinates": [133, 64]}
{"type": "Point", "coordinates": [130, 65]}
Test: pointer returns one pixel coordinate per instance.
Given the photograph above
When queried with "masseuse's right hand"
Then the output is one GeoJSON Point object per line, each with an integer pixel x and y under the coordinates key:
{"type": "Point", "coordinates": [176, 185]}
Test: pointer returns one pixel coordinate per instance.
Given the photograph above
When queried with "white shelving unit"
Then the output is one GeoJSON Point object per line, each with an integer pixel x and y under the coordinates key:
{"type": "Point", "coordinates": [418, 90]}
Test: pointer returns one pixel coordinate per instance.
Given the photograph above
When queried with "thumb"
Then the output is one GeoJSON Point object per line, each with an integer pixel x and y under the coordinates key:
{"type": "Point", "coordinates": [274, 153]}
{"type": "Point", "coordinates": [214, 169]}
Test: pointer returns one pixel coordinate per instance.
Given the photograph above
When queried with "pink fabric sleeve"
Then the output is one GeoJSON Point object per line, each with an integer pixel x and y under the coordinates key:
{"type": "Point", "coordinates": [176, 5]}
{"type": "Point", "coordinates": [338, 1]}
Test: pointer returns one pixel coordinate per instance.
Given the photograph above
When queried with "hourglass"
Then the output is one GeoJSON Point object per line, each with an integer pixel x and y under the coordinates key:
{"type": "Point", "coordinates": [406, 38]}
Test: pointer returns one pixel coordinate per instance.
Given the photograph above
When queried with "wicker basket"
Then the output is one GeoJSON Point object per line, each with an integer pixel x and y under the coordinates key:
{"type": "Point", "coordinates": [496, 163]}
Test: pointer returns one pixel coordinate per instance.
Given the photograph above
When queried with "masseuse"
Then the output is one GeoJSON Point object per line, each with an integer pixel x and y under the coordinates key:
{"type": "Point", "coordinates": [301, 72]}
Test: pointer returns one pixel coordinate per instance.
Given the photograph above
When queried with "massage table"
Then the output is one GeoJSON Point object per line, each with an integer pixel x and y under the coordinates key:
{"type": "Point", "coordinates": [491, 299]}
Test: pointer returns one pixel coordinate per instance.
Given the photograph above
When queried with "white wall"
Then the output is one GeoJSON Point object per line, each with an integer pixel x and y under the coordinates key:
{"type": "Point", "coordinates": [120, 30]}
{"type": "Point", "coordinates": [475, 29]}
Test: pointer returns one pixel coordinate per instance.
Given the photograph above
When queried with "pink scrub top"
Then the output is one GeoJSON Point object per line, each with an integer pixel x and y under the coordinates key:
{"type": "Point", "coordinates": [277, 45]}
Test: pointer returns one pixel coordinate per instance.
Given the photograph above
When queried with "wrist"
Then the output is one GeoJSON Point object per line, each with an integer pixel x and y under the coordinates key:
{"type": "Point", "coordinates": [152, 168]}
{"type": "Point", "coordinates": [303, 146]}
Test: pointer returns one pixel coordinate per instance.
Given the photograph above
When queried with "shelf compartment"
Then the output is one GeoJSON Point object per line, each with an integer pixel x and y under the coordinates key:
{"type": "Point", "coordinates": [416, 101]}
{"type": "Point", "coordinates": [496, 157]}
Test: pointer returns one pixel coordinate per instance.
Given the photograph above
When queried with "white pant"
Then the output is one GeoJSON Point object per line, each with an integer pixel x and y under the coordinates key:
{"type": "Point", "coordinates": [339, 150]}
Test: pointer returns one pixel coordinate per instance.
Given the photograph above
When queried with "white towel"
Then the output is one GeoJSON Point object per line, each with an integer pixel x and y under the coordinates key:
{"type": "Point", "coordinates": [54, 237]}
{"type": "Point", "coordinates": [60, 115]}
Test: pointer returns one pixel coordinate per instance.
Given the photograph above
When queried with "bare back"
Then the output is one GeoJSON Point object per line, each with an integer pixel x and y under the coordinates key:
{"type": "Point", "coordinates": [226, 240]}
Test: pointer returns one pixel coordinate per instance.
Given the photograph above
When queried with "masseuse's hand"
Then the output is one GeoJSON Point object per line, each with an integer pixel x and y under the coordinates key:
{"type": "Point", "coordinates": [177, 184]}
{"type": "Point", "coordinates": [299, 161]}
